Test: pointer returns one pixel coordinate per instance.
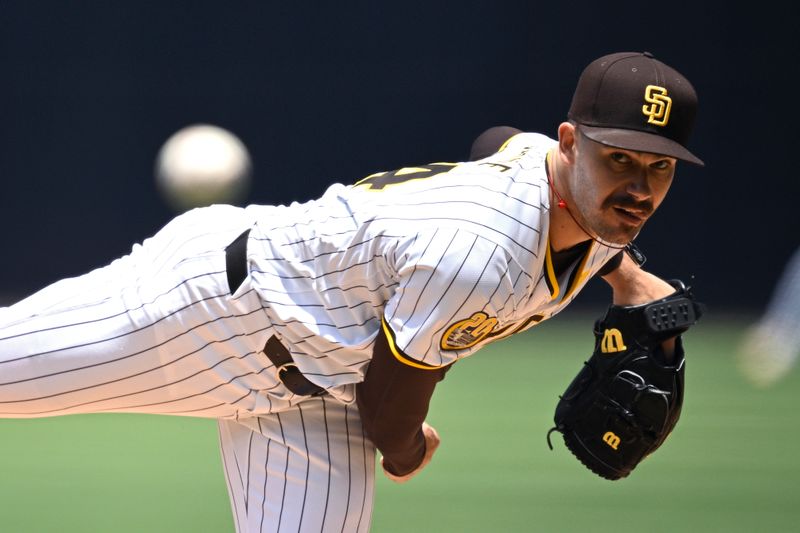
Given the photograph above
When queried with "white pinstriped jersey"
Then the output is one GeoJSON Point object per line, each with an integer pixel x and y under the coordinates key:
{"type": "Point", "coordinates": [452, 256]}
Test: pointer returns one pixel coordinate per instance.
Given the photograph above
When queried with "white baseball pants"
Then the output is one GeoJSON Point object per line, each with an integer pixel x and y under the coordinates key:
{"type": "Point", "coordinates": [158, 332]}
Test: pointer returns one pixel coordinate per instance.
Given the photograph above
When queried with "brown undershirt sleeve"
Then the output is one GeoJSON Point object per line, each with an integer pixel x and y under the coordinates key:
{"type": "Point", "coordinates": [393, 402]}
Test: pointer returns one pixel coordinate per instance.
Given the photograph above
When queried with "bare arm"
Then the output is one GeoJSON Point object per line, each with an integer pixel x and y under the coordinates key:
{"type": "Point", "coordinates": [633, 286]}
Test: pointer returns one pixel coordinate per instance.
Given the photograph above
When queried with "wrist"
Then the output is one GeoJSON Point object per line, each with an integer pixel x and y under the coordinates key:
{"type": "Point", "coordinates": [633, 286]}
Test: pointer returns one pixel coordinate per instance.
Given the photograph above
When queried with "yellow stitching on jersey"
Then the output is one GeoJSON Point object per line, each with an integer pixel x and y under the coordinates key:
{"type": "Point", "coordinates": [414, 170]}
{"type": "Point", "coordinates": [399, 355]}
{"type": "Point", "coordinates": [503, 147]}
{"type": "Point", "coordinates": [581, 275]}
{"type": "Point", "coordinates": [362, 180]}
{"type": "Point", "coordinates": [551, 275]}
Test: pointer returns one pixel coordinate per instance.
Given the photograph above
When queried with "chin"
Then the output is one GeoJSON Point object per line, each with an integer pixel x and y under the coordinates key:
{"type": "Point", "coordinates": [618, 236]}
{"type": "Point", "coordinates": [612, 231]}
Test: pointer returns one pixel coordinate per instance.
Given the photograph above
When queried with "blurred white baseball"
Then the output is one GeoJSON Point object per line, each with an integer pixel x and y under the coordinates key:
{"type": "Point", "coordinates": [202, 165]}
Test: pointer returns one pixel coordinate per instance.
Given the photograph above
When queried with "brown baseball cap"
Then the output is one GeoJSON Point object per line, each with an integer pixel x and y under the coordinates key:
{"type": "Point", "coordinates": [632, 100]}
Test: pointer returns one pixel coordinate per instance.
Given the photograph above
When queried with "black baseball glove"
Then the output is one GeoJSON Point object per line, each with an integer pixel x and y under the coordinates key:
{"type": "Point", "coordinates": [627, 398]}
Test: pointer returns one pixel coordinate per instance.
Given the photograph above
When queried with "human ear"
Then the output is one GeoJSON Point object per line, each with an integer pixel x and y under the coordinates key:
{"type": "Point", "coordinates": [567, 141]}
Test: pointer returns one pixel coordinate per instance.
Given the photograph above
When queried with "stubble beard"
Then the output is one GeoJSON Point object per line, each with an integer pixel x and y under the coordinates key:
{"type": "Point", "coordinates": [601, 222]}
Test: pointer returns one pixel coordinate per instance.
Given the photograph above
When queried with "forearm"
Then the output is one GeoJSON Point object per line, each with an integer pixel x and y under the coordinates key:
{"type": "Point", "coordinates": [633, 286]}
{"type": "Point", "coordinates": [393, 401]}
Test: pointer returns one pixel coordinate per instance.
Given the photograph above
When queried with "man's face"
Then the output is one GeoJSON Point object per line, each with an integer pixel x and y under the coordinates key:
{"type": "Point", "coordinates": [615, 191]}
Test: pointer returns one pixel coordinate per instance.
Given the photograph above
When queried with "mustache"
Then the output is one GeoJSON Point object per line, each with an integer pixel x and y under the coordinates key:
{"type": "Point", "coordinates": [628, 202]}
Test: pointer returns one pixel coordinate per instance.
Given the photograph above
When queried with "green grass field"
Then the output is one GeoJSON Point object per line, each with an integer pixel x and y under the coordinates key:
{"type": "Point", "coordinates": [731, 465]}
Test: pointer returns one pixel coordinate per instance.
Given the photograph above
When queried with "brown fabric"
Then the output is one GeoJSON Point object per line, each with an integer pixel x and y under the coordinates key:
{"type": "Point", "coordinates": [490, 141]}
{"type": "Point", "coordinates": [563, 259]}
{"type": "Point", "coordinates": [393, 401]}
{"type": "Point", "coordinates": [608, 105]}
{"type": "Point", "coordinates": [611, 265]}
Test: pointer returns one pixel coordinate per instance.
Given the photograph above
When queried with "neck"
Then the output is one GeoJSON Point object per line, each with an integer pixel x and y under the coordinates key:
{"type": "Point", "coordinates": [565, 232]}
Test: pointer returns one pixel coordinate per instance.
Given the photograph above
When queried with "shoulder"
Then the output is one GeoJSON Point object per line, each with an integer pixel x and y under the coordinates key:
{"type": "Point", "coordinates": [490, 141]}
{"type": "Point", "coordinates": [500, 138]}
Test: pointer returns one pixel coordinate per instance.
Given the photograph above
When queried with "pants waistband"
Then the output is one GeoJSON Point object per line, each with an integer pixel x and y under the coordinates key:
{"type": "Point", "coordinates": [285, 368]}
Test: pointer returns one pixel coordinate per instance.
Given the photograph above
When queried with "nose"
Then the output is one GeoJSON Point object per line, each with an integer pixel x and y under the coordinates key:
{"type": "Point", "coordinates": [639, 186]}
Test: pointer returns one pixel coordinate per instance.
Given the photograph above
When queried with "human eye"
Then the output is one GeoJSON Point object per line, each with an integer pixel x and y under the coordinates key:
{"type": "Point", "coordinates": [620, 157]}
{"type": "Point", "coordinates": [662, 164]}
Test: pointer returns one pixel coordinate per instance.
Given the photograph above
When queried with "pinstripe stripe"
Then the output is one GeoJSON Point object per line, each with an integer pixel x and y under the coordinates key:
{"type": "Point", "coordinates": [246, 494]}
{"type": "Point", "coordinates": [233, 493]}
{"type": "Point", "coordinates": [493, 211]}
{"type": "Point", "coordinates": [503, 276]}
{"type": "Point", "coordinates": [115, 360]}
{"type": "Point", "coordinates": [334, 327]}
{"type": "Point", "coordinates": [364, 503]}
{"type": "Point", "coordinates": [322, 291]}
{"type": "Point", "coordinates": [460, 310]}
{"type": "Point", "coordinates": [124, 312]}
{"type": "Point", "coordinates": [327, 273]}
{"type": "Point", "coordinates": [469, 186]}
{"type": "Point", "coordinates": [285, 478]}
{"type": "Point", "coordinates": [349, 248]}
{"type": "Point", "coordinates": [430, 220]}
{"type": "Point", "coordinates": [330, 463]}
{"type": "Point", "coordinates": [411, 201]}
{"type": "Point", "coordinates": [317, 222]}
{"type": "Point", "coordinates": [149, 406]}
{"type": "Point", "coordinates": [308, 466]}
{"type": "Point", "coordinates": [320, 440]}
{"type": "Point", "coordinates": [430, 277]}
{"type": "Point", "coordinates": [323, 306]}
{"type": "Point", "coordinates": [468, 224]}
{"type": "Point", "coordinates": [121, 336]}
{"type": "Point", "coordinates": [349, 467]}
{"type": "Point", "coordinates": [203, 370]}
{"type": "Point", "coordinates": [435, 306]}
{"type": "Point", "coordinates": [264, 489]}
{"type": "Point", "coordinates": [130, 407]}
{"type": "Point", "coordinates": [309, 244]}
{"type": "Point", "coordinates": [414, 267]}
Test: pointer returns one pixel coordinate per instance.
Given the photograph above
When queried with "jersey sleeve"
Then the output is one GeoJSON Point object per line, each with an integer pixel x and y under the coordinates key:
{"type": "Point", "coordinates": [455, 290]}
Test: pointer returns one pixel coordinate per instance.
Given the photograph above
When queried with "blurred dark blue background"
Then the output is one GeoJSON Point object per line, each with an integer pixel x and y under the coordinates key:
{"type": "Point", "coordinates": [333, 92]}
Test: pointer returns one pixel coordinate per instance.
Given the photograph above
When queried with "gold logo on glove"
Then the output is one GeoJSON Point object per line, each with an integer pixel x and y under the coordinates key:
{"type": "Point", "coordinates": [660, 105]}
{"type": "Point", "coordinates": [612, 341]}
{"type": "Point", "coordinates": [611, 439]}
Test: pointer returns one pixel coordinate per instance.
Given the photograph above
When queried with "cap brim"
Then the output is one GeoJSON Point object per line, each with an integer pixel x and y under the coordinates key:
{"type": "Point", "coordinates": [640, 141]}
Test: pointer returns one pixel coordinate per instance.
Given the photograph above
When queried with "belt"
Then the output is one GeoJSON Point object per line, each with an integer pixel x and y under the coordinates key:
{"type": "Point", "coordinates": [287, 372]}
{"type": "Point", "coordinates": [285, 368]}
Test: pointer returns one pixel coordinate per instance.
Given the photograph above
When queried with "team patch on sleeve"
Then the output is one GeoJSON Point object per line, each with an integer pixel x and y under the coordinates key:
{"type": "Point", "coordinates": [468, 332]}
